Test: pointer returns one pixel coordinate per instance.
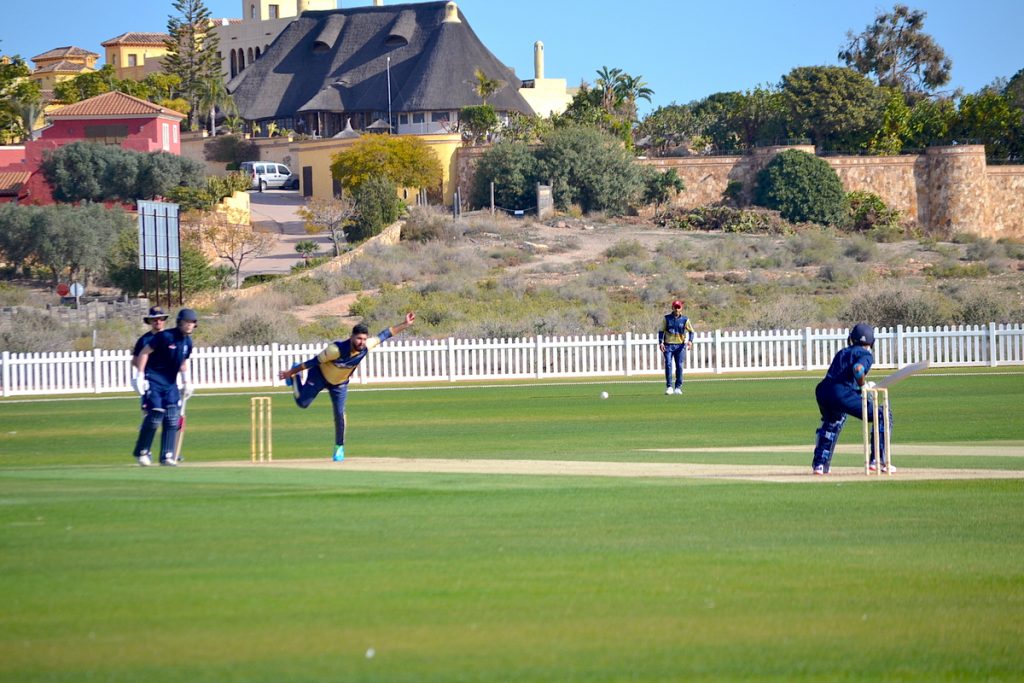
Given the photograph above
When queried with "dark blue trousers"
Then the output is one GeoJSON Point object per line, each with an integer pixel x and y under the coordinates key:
{"type": "Point", "coordinates": [315, 382]}
{"type": "Point", "coordinates": [675, 356]}
{"type": "Point", "coordinates": [162, 404]}
{"type": "Point", "coordinates": [835, 406]}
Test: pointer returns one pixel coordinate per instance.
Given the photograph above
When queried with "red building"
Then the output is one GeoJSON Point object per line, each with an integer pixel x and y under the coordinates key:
{"type": "Point", "coordinates": [112, 118]}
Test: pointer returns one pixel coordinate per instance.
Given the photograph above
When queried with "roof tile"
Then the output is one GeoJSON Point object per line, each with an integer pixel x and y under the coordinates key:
{"type": "Point", "coordinates": [112, 104]}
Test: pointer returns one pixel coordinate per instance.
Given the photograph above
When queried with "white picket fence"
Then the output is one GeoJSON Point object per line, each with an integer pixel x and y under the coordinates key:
{"type": "Point", "coordinates": [455, 360]}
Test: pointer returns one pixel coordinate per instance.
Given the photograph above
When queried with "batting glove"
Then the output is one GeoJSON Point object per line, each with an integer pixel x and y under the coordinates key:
{"type": "Point", "coordinates": [140, 385]}
{"type": "Point", "coordinates": [869, 385]}
{"type": "Point", "coordinates": [188, 390]}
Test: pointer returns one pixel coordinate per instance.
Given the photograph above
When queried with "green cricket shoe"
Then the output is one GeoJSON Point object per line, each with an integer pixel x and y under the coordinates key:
{"type": "Point", "coordinates": [339, 453]}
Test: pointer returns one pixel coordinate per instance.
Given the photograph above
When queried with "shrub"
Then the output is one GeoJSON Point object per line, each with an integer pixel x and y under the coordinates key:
{"type": "Point", "coordinates": [590, 168]}
{"type": "Point", "coordinates": [12, 295]}
{"type": "Point", "coordinates": [841, 272]}
{"type": "Point", "coordinates": [727, 219]}
{"type": "Point", "coordinates": [984, 249]}
{"type": "Point", "coordinates": [624, 249]}
{"type": "Point", "coordinates": [867, 211]}
{"type": "Point", "coordinates": [948, 268]}
{"type": "Point", "coordinates": [377, 206]}
{"type": "Point", "coordinates": [893, 304]}
{"type": "Point", "coordinates": [303, 291]}
{"type": "Point", "coordinates": [231, 149]}
{"type": "Point", "coordinates": [802, 188]}
{"type": "Point", "coordinates": [860, 249]}
{"type": "Point", "coordinates": [426, 224]}
{"type": "Point", "coordinates": [814, 247]}
{"type": "Point", "coordinates": [33, 331]}
{"type": "Point", "coordinates": [513, 169]}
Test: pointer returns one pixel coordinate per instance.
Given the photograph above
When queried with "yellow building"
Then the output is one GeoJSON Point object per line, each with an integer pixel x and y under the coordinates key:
{"type": "Point", "coordinates": [60, 64]}
{"type": "Point", "coordinates": [312, 163]}
{"type": "Point", "coordinates": [547, 96]}
{"type": "Point", "coordinates": [135, 55]}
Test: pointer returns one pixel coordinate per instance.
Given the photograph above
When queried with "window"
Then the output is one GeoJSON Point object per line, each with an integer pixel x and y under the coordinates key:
{"type": "Point", "coordinates": [252, 11]}
{"type": "Point", "coordinates": [403, 118]}
{"type": "Point", "coordinates": [133, 60]}
{"type": "Point", "coordinates": [438, 116]}
{"type": "Point", "coordinates": [111, 134]}
{"type": "Point", "coordinates": [166, 137]}
{"type": "Point", "coordinates": [174, 132]}
{"type": "Point", "coordinates": [273, 11]}
{"type": "Point", "coordinates": [417, 117]}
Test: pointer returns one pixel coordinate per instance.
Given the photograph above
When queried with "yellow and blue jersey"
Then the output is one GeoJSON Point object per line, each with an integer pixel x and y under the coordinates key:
{"type": "Point", "coordinates": [676, 329]}
{"type": "Point", "coordinates": [338, 361]}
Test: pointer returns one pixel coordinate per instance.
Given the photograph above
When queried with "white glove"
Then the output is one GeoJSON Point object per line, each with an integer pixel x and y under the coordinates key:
{"type": "Point", "coordinates": [140, 385]}
{"type": "Point", "coordinates": [187, 390]}
{"type": "Point", "coordinates": [869, 385]}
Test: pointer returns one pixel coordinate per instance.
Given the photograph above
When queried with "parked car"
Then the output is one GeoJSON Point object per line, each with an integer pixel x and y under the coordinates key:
{"type": "Point", "coordinates": [265, 174]}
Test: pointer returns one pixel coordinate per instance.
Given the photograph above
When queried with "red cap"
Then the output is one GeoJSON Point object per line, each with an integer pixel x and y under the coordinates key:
{"type": "Point", "coordinates": [677, 304]}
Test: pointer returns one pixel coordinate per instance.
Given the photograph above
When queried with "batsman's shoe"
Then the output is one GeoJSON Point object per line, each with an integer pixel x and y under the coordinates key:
{"type": "Point", "coordinates": [339, 453]}
{"type": "Point", "coordinates": [668, 391]}
{"type": "Point", "coordinates": [169, 460]}
{"type": "Point", "coordinates": [291, 380]}
{"type": "Point", "coordinates": [819, 470]}
{"type": "Point", "coordinates": [143, 459]}
{"type": "Point", "coordinates": [678, 391]}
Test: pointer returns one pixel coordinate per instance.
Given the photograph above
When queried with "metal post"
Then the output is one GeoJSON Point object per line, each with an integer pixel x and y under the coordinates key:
{"type": "Point", "coordinates": [492, 197]}
{"type": "Point", "coordinates": [390, 125]}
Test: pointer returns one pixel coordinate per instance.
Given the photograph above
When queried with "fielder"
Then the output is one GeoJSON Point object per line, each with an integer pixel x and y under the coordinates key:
{"type": "Point", "coordinates": [674, 338]}
{"type": "Point", "coordinates": [332, 369]}
{"type": "Point", "coordinates": [159, 363]}
{"type": "Point", "coordinates": [838, 396]}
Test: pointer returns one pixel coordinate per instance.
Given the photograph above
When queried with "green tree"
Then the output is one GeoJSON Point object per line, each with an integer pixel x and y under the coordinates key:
{"type": "Point", "coordinates": [589, 168]}
{"type": "Point", "coordinates": [990, 118]}
{"type": "Point", "coordinates": [513, 169]}
{"type": "Point", "coordinates": [230, 149]}
{"type": "Point", "coordinates": [192, 52]}
{"type": "Point", "coordinates": [523, 128]}
{"type": "Point", "coordinates": [895, 127]}
{"type": "Point", "coordinates": [930, 122]}
{"type": "Point", "coordinates": [631, 89]}
{"type": "Point", "coordinates": [670, 127]}
{"type": "Point", "coordinates": [801, 187]}
{"type": "Point", "coordinates": [660, 187]}
{"type": "Point", "coordinates": [94, 172]}
{"type": "Point", "coordinates": [898, 52]}
{"type": "Point", "coordinates": [718, 113]}
{"type": "Point", "coordinates": [758, 117]}
{"type": "Point", "coordinates": [838, 108]}
{"type": "Point", "coordinates": [85, 85]}
{"type": "Point", "coordinates": [20, 230]}
{"type": "Point", "coordinates": [478, 122]}
{"type": "Point", "coordinates": [307, 249]}
{"type": "Point", "coordinates": [405, 160]}
{"type": "Point", "coordinates": [1014, 89]}
{"type": "Point", "coordinates": [377, 206]}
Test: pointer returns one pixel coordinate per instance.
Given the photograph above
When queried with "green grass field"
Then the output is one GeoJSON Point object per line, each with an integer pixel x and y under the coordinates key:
{"type": "Point", "coordinates": [111, 572]}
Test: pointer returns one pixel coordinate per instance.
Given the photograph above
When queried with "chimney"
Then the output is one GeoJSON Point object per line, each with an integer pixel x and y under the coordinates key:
{"type": "Point", "coordinates": [538, 60]}
{"type": "Point", "coordinates": [378, 3]}
{"type": "Point", "coordinates": [451, 14]}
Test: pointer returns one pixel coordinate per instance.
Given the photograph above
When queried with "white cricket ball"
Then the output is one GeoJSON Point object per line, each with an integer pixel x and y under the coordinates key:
{"type": "Point", "coordinates": [370, 652]}
{"type": "Point", "coordinates": [604, 394]}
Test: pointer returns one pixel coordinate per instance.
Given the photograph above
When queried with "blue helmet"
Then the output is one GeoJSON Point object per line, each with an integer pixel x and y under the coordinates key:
{"type": "Point", "coordinates": [862, 333]}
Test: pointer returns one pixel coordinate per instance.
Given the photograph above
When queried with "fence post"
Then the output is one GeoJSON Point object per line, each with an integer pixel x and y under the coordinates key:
{"type": "Point", "coordinates": [450, 353]}
{"type": "Point", "coordinates": [5, 373]}
{"type": "Point", "coordinates": [899, 346]}
{"type": "Point", "coordinates": [96, 381]}
{"type": "Point", "coordinates": [275, 362]}
{"type": "Point", "coordinates": [718, 352]}
{"type": "Point", "coordinates": [808, 351]}
{"type": "Point", "coordinates": [993, 359]}
{"type": "Point", "coordinates": [538, 356]}
{"type": "Point", "coordinates": [627, 348]}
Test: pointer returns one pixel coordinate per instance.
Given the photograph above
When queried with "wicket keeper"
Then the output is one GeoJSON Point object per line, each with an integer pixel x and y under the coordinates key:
{"type": "Point", "coordinates": [332, 369]}
{"type": "Point", "coordinates": [838, 396]}
{"type": "Point", "coordinates": [159, 363]}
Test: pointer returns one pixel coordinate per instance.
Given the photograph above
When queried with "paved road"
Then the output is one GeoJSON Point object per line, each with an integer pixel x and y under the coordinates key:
{"type": "Point", "coordinates": [274, 211]}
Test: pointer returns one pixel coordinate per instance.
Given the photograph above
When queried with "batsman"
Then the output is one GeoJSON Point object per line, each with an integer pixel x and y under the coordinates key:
{"type": "Point", "coordinates": [332, 368]}
{"type": "Point", "coordinates": [838, 396]}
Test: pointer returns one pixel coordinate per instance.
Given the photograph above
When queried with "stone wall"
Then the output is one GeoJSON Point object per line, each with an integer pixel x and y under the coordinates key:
{"type": "Point", "coordinates": [86, 315]}
{"type": "Point", "coordinates": [947, 190]}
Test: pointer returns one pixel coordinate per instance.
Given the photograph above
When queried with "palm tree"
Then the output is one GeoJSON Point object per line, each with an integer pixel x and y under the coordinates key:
{"type": "Point", "coordinates": [215, 96]}
{"type": "Point", "coordinates": [608, 84]}
{"type": "Point", "coordinates": [486, 87]}
{"type": "Point", "coordinates": [630, 89]}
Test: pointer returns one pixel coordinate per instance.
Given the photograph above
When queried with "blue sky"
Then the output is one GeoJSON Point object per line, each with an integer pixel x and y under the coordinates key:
{"type": "Point", "coordinates": [684, 49]}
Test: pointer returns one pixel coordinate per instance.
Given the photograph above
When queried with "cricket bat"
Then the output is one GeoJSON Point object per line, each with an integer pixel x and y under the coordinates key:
{"type": "Point", "coordinates": [181, 432]}
{"type": "Point", "coordinates": [899, 375]}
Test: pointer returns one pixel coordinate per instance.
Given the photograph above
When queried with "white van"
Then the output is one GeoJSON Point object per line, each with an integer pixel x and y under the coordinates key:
{"type": "Point", "coordinates": [265, 174]}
